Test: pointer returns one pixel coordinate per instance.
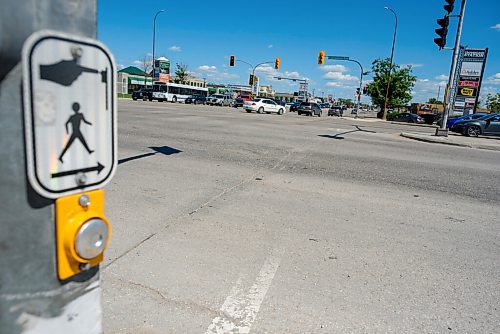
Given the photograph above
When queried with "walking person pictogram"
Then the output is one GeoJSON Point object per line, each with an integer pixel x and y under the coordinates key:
{"type": "Point", "coordinates": [76, 121]}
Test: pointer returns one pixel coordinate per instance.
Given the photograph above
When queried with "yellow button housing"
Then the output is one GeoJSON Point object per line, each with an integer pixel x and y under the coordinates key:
{"type": "Point", "coordinates": [71, 214]}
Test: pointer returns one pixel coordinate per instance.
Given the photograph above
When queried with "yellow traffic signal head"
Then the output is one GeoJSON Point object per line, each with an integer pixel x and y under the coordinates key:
{"type": "Point", "coordinates": [277, 62]}
{"type": "Point", "coordinates": [231, 61]}
{"type": "Point", "coordinates": [321, 57]}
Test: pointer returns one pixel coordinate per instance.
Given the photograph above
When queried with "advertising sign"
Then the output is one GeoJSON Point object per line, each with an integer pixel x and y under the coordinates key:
{"type": "Point", "coordinates": [162, 69]}
{"type": "Point", "coordinates": [468, 77]}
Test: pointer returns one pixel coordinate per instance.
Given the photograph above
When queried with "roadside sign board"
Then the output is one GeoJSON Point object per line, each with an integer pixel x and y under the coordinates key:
{"type": "Point", "coordinates": [468, 78]}
{"type": "Point", "coordinates": [69, 113]}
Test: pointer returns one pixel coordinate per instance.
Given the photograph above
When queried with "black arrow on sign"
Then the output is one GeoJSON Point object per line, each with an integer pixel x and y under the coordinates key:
{"type": "Point", "coordinates": [97, 168]}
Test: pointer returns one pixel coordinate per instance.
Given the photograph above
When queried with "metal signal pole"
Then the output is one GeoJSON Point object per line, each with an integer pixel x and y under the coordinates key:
{"type": "Point", "coordinates": [451, 80]}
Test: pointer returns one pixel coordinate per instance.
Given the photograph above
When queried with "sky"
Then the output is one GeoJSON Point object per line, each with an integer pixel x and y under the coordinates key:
{"type": "Point", "coordinates": [203, 34]}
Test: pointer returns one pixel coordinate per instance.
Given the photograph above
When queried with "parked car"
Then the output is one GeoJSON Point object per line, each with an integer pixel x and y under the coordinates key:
{"type": "Point", "coordinates": [354, 111]}
{"type": "Point", "coordinates": [325, 106]}
{"type": "Point", "coordinates": [453, 120]}
{"type": "Point", "coordinates": [260, 106]}
{"type": "Point", "coordinates": [143, 93]}
{"type": "Point", "coordinates": [294, 106]}
{"type": "Point", "coordinates": [309, 108]}
{"type": "Point", "coordinates": [406, 117]}
{"type": "Point", "coordinates": [487, 125]}
{"type": "Point", "coordinates": [196, 99]}
{"type": "Point", "coordinates": [220, 100]}
{"type": "Point", "coordinates": [336, 111]}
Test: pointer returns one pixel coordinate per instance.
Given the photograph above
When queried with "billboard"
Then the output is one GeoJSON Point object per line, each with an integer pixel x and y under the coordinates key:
{"type": "Point", "coordinates": [162, 69]}
{"type": "Point", "coordinates": [468, 77]}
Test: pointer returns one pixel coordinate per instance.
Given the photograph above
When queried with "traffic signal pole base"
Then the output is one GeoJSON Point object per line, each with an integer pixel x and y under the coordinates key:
{"type": "Point", "coordinates": [441, 132]}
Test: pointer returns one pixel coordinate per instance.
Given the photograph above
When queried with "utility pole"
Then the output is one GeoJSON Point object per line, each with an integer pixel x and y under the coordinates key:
{"type": "Point", "coordinates": [384, 114]}
{"type": "Point", "coordinates": [53, 231]}
{"type": "Point", "coordinates": [448, 103]}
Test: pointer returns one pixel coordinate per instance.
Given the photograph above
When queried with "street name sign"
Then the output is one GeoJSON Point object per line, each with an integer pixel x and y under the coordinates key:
{"type": "Point", "coordinates": [69, 113]}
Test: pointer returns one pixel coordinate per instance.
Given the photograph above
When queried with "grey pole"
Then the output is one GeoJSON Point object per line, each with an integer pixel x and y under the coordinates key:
{"type": "Point", "coordinates": [32, 298]}
{"type": "Point", "coordinates": [360, 83]}
{"type": "Point", "coordinates": [253, 71]}
{"type": "Point", "coordinates": [451, 79]}
{"type": "Point", "coordinates": [154, 40]}
{"type": "Point", "coordinates": [384, 114]}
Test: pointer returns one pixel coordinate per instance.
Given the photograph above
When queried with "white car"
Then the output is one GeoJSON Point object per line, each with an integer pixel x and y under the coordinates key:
{"type": "Point", "coordinates": [263, 105]}
{"type": "Point", "coordinates": [219, 100]}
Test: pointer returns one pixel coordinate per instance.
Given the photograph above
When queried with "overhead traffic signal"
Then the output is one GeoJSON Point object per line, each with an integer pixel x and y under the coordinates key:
{"type": "Point", "coordinates": [449, 7]}
{"type": "Point", "coordinates": [365, 90]}
{"type": "Point", "coordinates": [321, 57]}
{"type": "Point", "coordinates": [231, 61]}
{"type": "Point", "coordinates": [442, 32]}
{"type": "Point", "coordinates": [250, 80]}
{"type": "Point", "coordinates": [277, 62]}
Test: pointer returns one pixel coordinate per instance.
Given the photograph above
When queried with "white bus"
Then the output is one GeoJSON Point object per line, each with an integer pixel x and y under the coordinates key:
{"type": "Point", "coordinates": [172, 92]}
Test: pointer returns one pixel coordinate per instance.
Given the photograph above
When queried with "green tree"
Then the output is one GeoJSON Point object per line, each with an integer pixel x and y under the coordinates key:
{"type": "Point", "coordinates": [493, 102]}
{"type": "Point", "coordinates": [402, 82]}
{"type": "Point", "coordinates": [181, 73]}
{"type": "Point", "coordinates": [433, 100]}
{"type": "Point", "coordinates": [345, 102]}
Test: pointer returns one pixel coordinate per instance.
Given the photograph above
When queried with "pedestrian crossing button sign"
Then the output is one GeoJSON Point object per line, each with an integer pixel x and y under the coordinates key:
{"type": "Point", "coordinates": [69, 113]}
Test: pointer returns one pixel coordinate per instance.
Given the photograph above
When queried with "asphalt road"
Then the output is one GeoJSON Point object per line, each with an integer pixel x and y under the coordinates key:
{"type": "Point", "coordinates": [229, 222]}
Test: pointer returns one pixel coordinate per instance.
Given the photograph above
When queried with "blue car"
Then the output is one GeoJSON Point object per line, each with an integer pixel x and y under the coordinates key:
{"type": "Point", "coordinates": [452, 121]}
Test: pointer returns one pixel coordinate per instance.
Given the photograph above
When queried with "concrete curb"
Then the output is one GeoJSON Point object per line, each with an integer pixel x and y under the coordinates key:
{"type": "Point", "coordinates": [441, 140]}
{"type": "Point", "coordinates": [414, 124]}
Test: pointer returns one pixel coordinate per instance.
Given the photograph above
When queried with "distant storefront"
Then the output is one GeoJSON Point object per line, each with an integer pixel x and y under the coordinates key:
{"type": "Point", "coordinates": [131, 78]}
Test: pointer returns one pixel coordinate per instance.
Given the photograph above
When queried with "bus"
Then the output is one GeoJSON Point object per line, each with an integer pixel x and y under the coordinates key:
{"type": "Point", "coordinates": [173, 92]}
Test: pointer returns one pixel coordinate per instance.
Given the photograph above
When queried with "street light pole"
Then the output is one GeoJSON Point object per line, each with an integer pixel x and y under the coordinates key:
{"type": "Point", "coordinates": [154, 38]}
{"type": "Point", "coordinates": [384, 114]}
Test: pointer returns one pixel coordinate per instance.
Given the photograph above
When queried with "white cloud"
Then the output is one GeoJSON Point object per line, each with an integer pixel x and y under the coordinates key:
{"type": "Point", "coordinates": [493, 80]}
{"type": "Point", "coordinates": [334, 68]}
{"type": "Point", "coordinates": [175, 48]}
{"type": "Point", "coordinates": [137, 63]}
{"type": "Point", "coordinates": [442, 77]}
{"type": "Point", "coordinates": [270, 46]}
{"type": "Point", "coordinates": [334, 84]}
{"type": "Point", "coordinates": [339, 76]}
{"type": "Point", "coordinates": [266, 68]}
{"type": "Point", "coordinates": [207, 68]}
{"type": "Point", "coordinates": [496, 27]}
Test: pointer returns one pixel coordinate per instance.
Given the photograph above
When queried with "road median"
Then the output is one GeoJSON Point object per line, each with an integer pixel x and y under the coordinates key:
{"type": "Point", "coordinates": [478, 143]}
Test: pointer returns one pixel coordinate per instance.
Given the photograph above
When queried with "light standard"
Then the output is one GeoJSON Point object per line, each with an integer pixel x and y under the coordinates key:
{"type": "Point", "coordinates": [384, 114]}
{"type": "Point", "coordinates": [154, 38]}
{"type": "Point", "coordinates": [254, 67]}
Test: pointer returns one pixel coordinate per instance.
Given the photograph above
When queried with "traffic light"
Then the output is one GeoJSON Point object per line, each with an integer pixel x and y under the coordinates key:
{"type": "Point", "coordinates": [321, 57]}
{"type": "Point", "coordinates": [277, 62]}
{"type": "Point", "coordinates": [231, 61]}
{"type": "Point", "coordinates": [365, 89]}
{"type": "Point", "coordinates": [250, 80]}
{"type": "Point", "coordinates": [449, 7]}
{"type": "Point", "coordinates": [358, 91]}
{"type": "Point", "coordinates": [442, 32]}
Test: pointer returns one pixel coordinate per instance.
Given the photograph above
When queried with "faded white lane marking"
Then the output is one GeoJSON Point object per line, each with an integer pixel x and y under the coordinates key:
{"type": "Point", "coordinates": [241, 307]}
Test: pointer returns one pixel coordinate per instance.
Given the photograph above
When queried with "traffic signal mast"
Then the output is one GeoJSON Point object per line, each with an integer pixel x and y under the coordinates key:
{"type": "Point", "coordinates": [441, 42]}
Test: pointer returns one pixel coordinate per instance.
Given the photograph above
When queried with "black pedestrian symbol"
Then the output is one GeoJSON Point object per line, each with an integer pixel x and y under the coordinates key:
{"type": "Point", "coordinates": [76, 121]}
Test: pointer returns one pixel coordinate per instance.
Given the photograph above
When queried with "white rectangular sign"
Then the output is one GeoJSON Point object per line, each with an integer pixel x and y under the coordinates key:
{"type": "Point", "coordinates": [69, 113]}
{"type": "Point", "coordinates": [472, 69]}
